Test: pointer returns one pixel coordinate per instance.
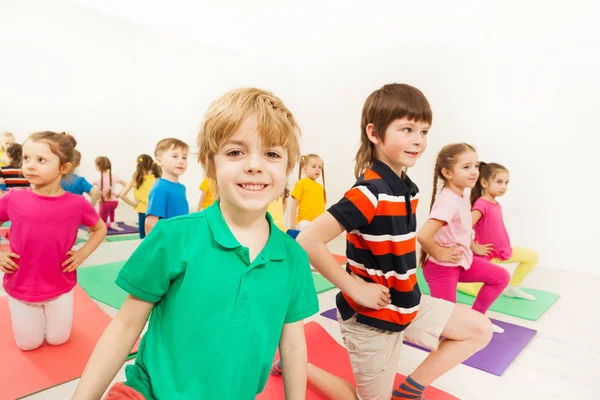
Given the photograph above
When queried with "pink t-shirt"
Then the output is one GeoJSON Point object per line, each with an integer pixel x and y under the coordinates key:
{"type": "Point", "coordinates": [455, 211]}
{"type": "Point", "coordinates": [106, 187]}
{"type": "Point", "coordinates": [43, 230]}
{"type": "Point", "coordinates": [490, 229]}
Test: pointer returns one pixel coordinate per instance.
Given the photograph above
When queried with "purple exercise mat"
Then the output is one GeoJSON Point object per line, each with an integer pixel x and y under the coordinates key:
{"type": "Point", "coordinates": [498, 355]}
{"type": "Point", "coordinates": [126, 229]}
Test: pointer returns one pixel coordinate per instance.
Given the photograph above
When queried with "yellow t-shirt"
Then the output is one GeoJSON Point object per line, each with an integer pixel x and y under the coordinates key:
{"type": "Point", "coordinates": [276, 211]}
{"type": "Point", "coordinates": [207, 187]}
{"type": "Point", "coordinates": [311, 199]}
{"type": "Point", "coordinates": [3, 154]}
{"type": "Point", "coordinates": [141, 194]}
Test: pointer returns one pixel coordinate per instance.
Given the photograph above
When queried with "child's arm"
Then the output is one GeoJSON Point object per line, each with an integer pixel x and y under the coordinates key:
{"type": "Point", "coordinates": [476, 216]}
{"type": "Point", "coordinates": [201, 201]}
{"type": "Point", "coordinates": [113, 348]}
{"type": "Point", "coordinates": [76, 257]}
{"type": "Point", "coordinates": [294, 213]}
{"type": "Point", "coordinates": [94, 195]}
{"type": "Point", "coordinates": [125, 192]}
{"type": "Point", "coordinates": [314, 240]}
{"type": "Point", "coordinates": [426, 238]}
{"type": "Point", "coordinates": [294, 359]}
{"type": "Point", "coordinates": [151, 220]}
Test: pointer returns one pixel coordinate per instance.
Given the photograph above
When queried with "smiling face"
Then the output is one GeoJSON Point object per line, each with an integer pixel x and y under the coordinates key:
{"type": "Point", "coordinates": [464, 172]}
{"type": "Point", "coordinates": [405, 141]}
{"type": "Point", "coordinates": [249, 174]}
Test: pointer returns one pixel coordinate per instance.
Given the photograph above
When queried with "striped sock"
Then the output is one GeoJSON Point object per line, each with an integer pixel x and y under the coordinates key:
{"type": "Point", "coordinates": [409, 389]}
{"type": "Point", "coordinates": [276, 368]}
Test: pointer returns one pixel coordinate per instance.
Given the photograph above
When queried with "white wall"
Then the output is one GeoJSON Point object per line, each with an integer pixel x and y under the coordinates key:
{"type": "Point", "coordinates": [518, 80]}
{"type": "Point", "coordinates": [118, 87]}
{"type": "Point", "coordinates": [527, 104]}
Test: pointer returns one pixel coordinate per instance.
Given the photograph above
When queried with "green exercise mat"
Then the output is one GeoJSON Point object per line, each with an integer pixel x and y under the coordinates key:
{"type": "Point", "coordinates": [122, 238]}
{"type": "Point", "coordinates": [99, 283]}
{"type": "Point", "coordinates": [321, 284]}
{"type": "Point", "coordinates": [526, 309]}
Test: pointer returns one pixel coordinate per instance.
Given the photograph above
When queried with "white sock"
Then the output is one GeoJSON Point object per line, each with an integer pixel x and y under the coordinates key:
{"type": "Point", "coordinates": [513, 291]}
{"type": "Point", "coordinates": [114, 226]}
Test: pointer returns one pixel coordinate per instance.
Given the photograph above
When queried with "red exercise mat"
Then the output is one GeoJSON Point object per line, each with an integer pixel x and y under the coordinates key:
{"type": "Point", "coordinates": [27, 372]}
{"type": "Point", "coordinates": [326, 353]}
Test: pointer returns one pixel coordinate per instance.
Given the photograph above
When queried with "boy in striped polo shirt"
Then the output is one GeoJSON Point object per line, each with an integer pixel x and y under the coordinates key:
{"type": "Point", "coordinates": [380, 303]}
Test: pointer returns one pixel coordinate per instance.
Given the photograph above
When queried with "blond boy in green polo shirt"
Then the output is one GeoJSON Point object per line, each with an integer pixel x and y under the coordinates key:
{"type": "Point", "coordinates": [224, 286]}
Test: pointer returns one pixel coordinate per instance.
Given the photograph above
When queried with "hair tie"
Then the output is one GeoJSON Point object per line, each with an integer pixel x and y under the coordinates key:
{"type": "Point", "coordinates": [140, 159]}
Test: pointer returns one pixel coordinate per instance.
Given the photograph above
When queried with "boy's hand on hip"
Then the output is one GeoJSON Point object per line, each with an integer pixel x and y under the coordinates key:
{"type": "Point", "coordinates": [370, 295]}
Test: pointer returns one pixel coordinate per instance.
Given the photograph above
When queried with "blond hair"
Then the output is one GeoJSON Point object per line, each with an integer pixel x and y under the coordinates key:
{"type": "Point", "coordinates": [304, 162]}
{"type": "Point", "coordinates": [168, 144]}
{"type": "Point", "coordinates": [276, 124]}
{"type": "Point", "coordinates": [4, 135]}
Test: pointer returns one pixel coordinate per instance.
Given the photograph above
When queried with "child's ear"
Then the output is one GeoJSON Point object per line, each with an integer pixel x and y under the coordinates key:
{"type": "Point", "coordinates": [372, 134]}
{"type": "Point", "coordinates": [447, 173]}
{"type": "Point", "coordinates": [65, 168]}
{"type": "Point", "coordinates": [484, 183]}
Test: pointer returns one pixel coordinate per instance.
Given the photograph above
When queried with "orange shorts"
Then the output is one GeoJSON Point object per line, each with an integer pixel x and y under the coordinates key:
{"type": "Point", "coordinates": [120, 391]}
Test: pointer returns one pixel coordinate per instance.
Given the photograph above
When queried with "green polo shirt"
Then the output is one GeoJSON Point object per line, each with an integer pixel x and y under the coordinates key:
{"type": "Point", "coordinates": [218, 318]}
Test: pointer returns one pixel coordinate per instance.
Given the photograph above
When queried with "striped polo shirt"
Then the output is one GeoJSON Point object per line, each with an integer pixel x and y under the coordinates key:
{"type": "Point", "coordinates": [379, 215]}
{"type": "Point", "coordinates": [13, 177]}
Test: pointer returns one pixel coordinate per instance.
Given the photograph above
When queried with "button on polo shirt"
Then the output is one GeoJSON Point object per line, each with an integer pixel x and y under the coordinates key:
{"type": "Point", "coordinates": [218, 317]}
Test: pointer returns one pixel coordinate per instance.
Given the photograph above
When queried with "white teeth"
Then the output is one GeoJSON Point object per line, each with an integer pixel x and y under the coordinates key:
{"type": "Point", "coordinates": [253, 187]}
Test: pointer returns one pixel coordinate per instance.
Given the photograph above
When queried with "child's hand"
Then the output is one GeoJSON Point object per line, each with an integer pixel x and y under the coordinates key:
{"type": "Point", "coordinates": [371, 295]}
{"type": "Point", "coordinates": [7, 265]}
{"type": "Point", "coordinates": [482, 249]}
{"type": "Point", "coordinates": [449, 254]}
{"type": "Point", "coordinates": [74, 261]}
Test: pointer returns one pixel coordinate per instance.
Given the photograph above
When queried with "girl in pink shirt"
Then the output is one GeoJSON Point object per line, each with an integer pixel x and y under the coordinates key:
{"type": "Point", "coordinates": [491, 238]}
{"type": "Point", "coordinates": [445, 239]}
{"type": "Point", "coordinates": [40, 269]}
{"type": "Point", "coordinates": [109, 199]}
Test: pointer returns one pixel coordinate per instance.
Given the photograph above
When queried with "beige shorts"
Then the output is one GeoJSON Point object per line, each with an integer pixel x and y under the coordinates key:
{"type": "Point", "coordinates": [375, 353]}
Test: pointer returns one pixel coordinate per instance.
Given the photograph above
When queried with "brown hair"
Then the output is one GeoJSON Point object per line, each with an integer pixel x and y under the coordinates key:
{"type": "Point", "coordinates": [487, 172]}
{"type": "Point", "coordinates": [304, 162]}
{"type": "Point", "coordinates": [382, 107]}
{"type": "Point", "coordinates": [168, 144]}
{"type": "Point", "coordinates": [61, 144]}
{"type": "Point", "coordinates": [104, 165]}
{"type": "Point", "coordinates": [15, 152]}
{"type": "Point", "coordinates": [145, 164]}
{"type": "Point", "coordinates": [446, 159]}
{"type": "Point", "coordinates": [276, 124]}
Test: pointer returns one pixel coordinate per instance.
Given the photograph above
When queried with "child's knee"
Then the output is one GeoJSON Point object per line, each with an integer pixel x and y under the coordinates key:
{"type": "Point", "coordinates": [58, 338]}
{"type": "Point", "coordinates": [29, 343]}
{"type": "Point", "coordinates": [503, 277]}
{"type": "Point", "coordinates": [481, 329]}
{"type": "Point", "coordinates": [535, 257]}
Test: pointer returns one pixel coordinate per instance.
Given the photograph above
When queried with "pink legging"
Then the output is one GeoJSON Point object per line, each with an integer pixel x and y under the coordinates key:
{"type": "Point", "coordinates": [443, 280]}
{"type": "Point", "coordinates": [107, 211]}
